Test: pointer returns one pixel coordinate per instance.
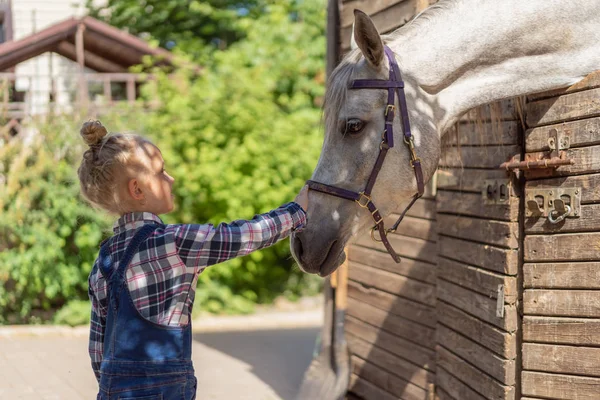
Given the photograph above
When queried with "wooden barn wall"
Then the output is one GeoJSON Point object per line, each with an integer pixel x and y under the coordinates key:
{"type": "Point", "coordinates": [561, 300]}
{"type": "Point", "coordinates": [391, 320]}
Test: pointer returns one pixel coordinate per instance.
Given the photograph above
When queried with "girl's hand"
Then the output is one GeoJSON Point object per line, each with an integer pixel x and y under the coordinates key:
{"type": "Point", "coordinates": [302, 198]}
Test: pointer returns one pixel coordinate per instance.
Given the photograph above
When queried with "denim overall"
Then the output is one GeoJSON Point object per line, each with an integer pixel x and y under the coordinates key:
{"type": "Point", "coordinates": [142, 360]}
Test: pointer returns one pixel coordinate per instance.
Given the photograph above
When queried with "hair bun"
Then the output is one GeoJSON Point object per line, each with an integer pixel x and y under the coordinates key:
{"type": "Point", "coordinates": [92, 132]}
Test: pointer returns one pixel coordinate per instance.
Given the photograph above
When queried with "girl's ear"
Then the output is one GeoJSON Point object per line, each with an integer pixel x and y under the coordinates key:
{"type": "Point", "coordinates": [134, 189]}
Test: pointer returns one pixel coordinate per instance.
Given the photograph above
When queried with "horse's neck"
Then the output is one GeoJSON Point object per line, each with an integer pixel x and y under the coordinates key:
{"type": "Point", "coordinates": [479, 51]}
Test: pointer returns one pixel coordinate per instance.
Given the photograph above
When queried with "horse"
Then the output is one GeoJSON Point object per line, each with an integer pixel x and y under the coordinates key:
{"type": "Point", "coordinates": [455, 56]}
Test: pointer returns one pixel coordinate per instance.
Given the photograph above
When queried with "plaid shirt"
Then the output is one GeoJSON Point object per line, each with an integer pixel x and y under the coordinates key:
{"type": "Point", "coordinates": [162, 275]}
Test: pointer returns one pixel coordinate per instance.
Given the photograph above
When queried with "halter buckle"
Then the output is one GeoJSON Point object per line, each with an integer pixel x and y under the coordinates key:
{"type": "Point", "coordinates": [411, 147]}
{"type": "Point", "coordinates": [361, 198]}
{"type": "Point", "coordinates": [390, 108]}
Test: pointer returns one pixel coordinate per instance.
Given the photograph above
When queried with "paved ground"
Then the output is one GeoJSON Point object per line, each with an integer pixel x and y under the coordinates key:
{"type": "Point", "coordinates": [252, 365]}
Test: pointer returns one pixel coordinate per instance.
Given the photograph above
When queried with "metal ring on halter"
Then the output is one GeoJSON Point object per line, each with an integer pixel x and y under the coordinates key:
{"type": "Point", "coordinates": [561, 217]}
{"type": "Point", "coordinates": [363, 196]}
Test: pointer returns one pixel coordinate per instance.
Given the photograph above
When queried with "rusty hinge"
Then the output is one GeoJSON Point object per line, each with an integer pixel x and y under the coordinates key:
{"type": "Point", "coordinates": [544, 163]}
{"type": "Point", "coordinates": [556, 204]}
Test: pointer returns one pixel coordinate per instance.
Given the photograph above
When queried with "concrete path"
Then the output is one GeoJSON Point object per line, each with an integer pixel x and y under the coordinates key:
{"type": "Point", "coordinates": [237, 364]}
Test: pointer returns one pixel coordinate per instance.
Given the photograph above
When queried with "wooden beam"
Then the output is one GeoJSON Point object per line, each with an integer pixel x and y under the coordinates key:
{"type": "Point", "coordinates": [91, 60]}
{"type": "Point", "coordinates": [80, 56]}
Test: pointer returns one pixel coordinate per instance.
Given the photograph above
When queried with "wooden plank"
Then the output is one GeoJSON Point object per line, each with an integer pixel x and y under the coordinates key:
{"type": "Point", "coordinates": [488, 387]}
{"type": "Point", "coordinates": [478, 280]}
{"type": "Point", "coordinates": [419, 356]}
{"type": "Point", "coordinates": [387, 21]}
{"type": "Point", "coordinates": [562, 303]}
{"type": "Point", "coordinates": [491, 133]}
{"type": "Point", "coordinates": [416, 249]}
{"type": "Point", "coordinates": [478, 157]}
{"type": "Point", "coordinates": [468, 180]}
{"type": "Point", "coordinates": [478, 305]}
{"type": "Point", "coordinates": [423, 208]}
{"type": "Point", "coordinates": [585, 275]}
{"type": "Point", "coordinates": [557, 386]}
{"type": "Point", "coordinates": [591, 81]}
{"type": "Point", "coordinates": [367, 390]}
{"type": "Point", "coordinates": [386, 381]}
{"type": "Point", "coordinates": [590, 185]}
{"type": "Point", "coordinates": [503, 234]}
{"type": "Point", "coordinates": [393, 283]}
{"type": "Point", "coordinates": [455, 388]}
{"type": "Point", "coordinates": [414, 227]}
{"type": "Point", "coordinates": [502, 370]}
{"type": "Point", "coordinates": [562, 330]}
{"type": "Point", "coordinates": [575, 360]}
{"type": "Point", "coordinates": [492, 338]}
{"type": "Point", "coordinates": [586, 161]}
{"type": "Point", "coordinates": [505, 261]}
{"type": "Point", "coordinates": [389, 362]}
{"type": "Point", "coordinates": [572, 106]}
{"type": "Point", "coordinates": [500, 110]}
{"type": "Point", "coordinates": [393, 304]}
{"type": "Point", "coordinates": [587, 222]}
{"type": "Point", "coordinates": [441, 394]}
{"type": "Point", "coordinates": [417, 333]}
{"type": "Point", "coordinates": [471, 204]}
{"type": "Point", "coordinates": [567, 247]}
{"type": "Point", "coordinates": [413, 269]}
{"type": "Point", "coordinates": [581, 133]}
{"type": "Point", "coordinates": [369, 7]}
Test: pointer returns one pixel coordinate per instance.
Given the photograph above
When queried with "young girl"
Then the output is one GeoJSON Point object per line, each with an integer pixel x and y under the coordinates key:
{"type": "Point", "coordinates": [143, 282]}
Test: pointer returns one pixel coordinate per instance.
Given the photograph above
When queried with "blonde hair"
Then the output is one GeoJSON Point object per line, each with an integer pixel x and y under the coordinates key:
{"type": "Point", "coordinates": [105, 165]}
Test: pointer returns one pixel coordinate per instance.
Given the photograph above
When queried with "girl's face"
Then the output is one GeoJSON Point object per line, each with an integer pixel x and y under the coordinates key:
{"type": "Point", "coordinates": [156, 184]}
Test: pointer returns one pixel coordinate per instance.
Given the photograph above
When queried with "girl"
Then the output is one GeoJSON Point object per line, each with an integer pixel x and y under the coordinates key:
{"type": "Point", "coordinates": [143, 282]}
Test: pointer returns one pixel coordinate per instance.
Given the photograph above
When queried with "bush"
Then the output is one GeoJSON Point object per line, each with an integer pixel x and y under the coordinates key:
{"type": "Point", "coordinates": [75, 312]}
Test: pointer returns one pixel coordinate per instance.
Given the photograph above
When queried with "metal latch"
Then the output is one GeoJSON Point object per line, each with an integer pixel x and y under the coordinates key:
{"type": "Point", "coordinates": [556, 204]}
{"type": "Point", "coordinates": [496, 191]}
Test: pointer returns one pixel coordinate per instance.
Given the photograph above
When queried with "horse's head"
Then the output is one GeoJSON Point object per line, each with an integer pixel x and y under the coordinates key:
{"type": "Point", "coordinates": [354, 123]}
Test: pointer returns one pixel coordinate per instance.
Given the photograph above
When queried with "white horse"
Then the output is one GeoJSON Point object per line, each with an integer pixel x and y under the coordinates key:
{"type": "Point", "coordinates": [457, 55]}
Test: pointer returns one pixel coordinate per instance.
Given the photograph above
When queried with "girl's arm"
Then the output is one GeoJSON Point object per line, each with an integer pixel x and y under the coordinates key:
{"type": "Point", "coordinates": [200, 246]}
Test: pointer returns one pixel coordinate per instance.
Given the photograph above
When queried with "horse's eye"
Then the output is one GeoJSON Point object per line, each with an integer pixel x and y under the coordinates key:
{"type": "Point", "coordinates": [354, 126]}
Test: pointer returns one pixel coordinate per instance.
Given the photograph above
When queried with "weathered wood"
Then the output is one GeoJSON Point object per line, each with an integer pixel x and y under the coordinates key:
{"type": "Point", "coordinates": [414, 227]}
{"type": "Point", "coordinates": [591, 81]}
{"type": "Point", "coordinates": [578, 105]}
{"type": "Point", "coordinates": [586, 161]}
{"type": "Point", "coordinates": [562, 330]}
{"type": "Point", "coordinates": [389, 362]}
{"type": "Point", "coordinates": [393, 304]}
{"type": "Point", "coordinates": [471, 204]}
{"type": "Point", "coordinates": [409, 330]}
{"type": "Point", "coordinates": [468, 180]}
{"type": "Point", "coordinates": [369, 7]}
{"type": "Point", "coordinates": [367, 390]}
{"type": "Point", "coordinates": [413, 269]}
{"type": "Point", "coordinates": [423, 208]}
{"type": "Point", "coordinates": [503, 234]}
{"type": "Point", "coordinates": [494, 339]}
{"type": "Point", "coordinates": [557, 386]}
{"type": "Point", "coordinates": [474, 378]}
{"type": "Point", "coordinates": [420, 356]}
{"type": "Point", "coordinates": [562, 303]}
{"type": "Point", "coordinates": [583, 132]}
{"type": "Point", "coordinates": [393, 283]}
{"type": "Point", "coordinates": [501, 110]}
{"type": "Point", "coordinates": [478, 280]}
{"type": "Point", "coordinates": [441, 394]}
{"type": "Point", "coordinates": [386, 381]}
{"type": "Point", "coordinates": [417, 249]}
{"type": "Point", "coordinates": [590, 185]}
{"type": "Point", "coordinates": [483, 134]}
{"type": "Point", "coordinates": [477, 305]}
{"type": "Point", "coordinates": [502, 370]}
{"type": "Point", "coordinates": [567, 247]}
{"type": "Point", "coordinates": [587, 222]}
{"type": "Point", "coordinates": [584, 275]}
{"type": "Point", "coordinates": [477, 157]}
{"type": "Point", "coordinates": [505, 261]}
{"type": "Point", "coordinates": [455, 388]}
{"type": "Point", "coordinates": [393, 17]}
{"type": "Point", "coordinates": [562, 359]}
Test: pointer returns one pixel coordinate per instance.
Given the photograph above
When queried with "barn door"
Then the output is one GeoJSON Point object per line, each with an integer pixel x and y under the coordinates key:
{"type": "Point", "coordinates": [561, 301]}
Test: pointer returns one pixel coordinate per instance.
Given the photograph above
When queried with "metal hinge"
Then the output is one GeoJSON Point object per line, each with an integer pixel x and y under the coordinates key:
{"type": "Point", "coordinates": [496, 191]}
{"type": "Point", "coordinates": [556, 204]}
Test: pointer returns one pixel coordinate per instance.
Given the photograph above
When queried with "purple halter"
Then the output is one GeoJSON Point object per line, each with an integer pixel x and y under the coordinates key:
{"type": "Point", "coordinates": [394, 86]}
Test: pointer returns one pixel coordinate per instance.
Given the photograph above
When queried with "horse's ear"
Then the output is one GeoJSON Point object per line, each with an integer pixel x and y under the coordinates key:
{"type": "Point", "coordinates": [367, 38]}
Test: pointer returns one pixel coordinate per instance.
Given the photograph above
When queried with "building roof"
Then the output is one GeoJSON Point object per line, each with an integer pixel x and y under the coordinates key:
{"type": "Point", "coordinates": [106, 48]}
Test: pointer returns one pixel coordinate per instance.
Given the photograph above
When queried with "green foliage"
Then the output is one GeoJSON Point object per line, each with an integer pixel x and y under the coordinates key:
{"type": "Point", "coordinates": [75, 312]}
